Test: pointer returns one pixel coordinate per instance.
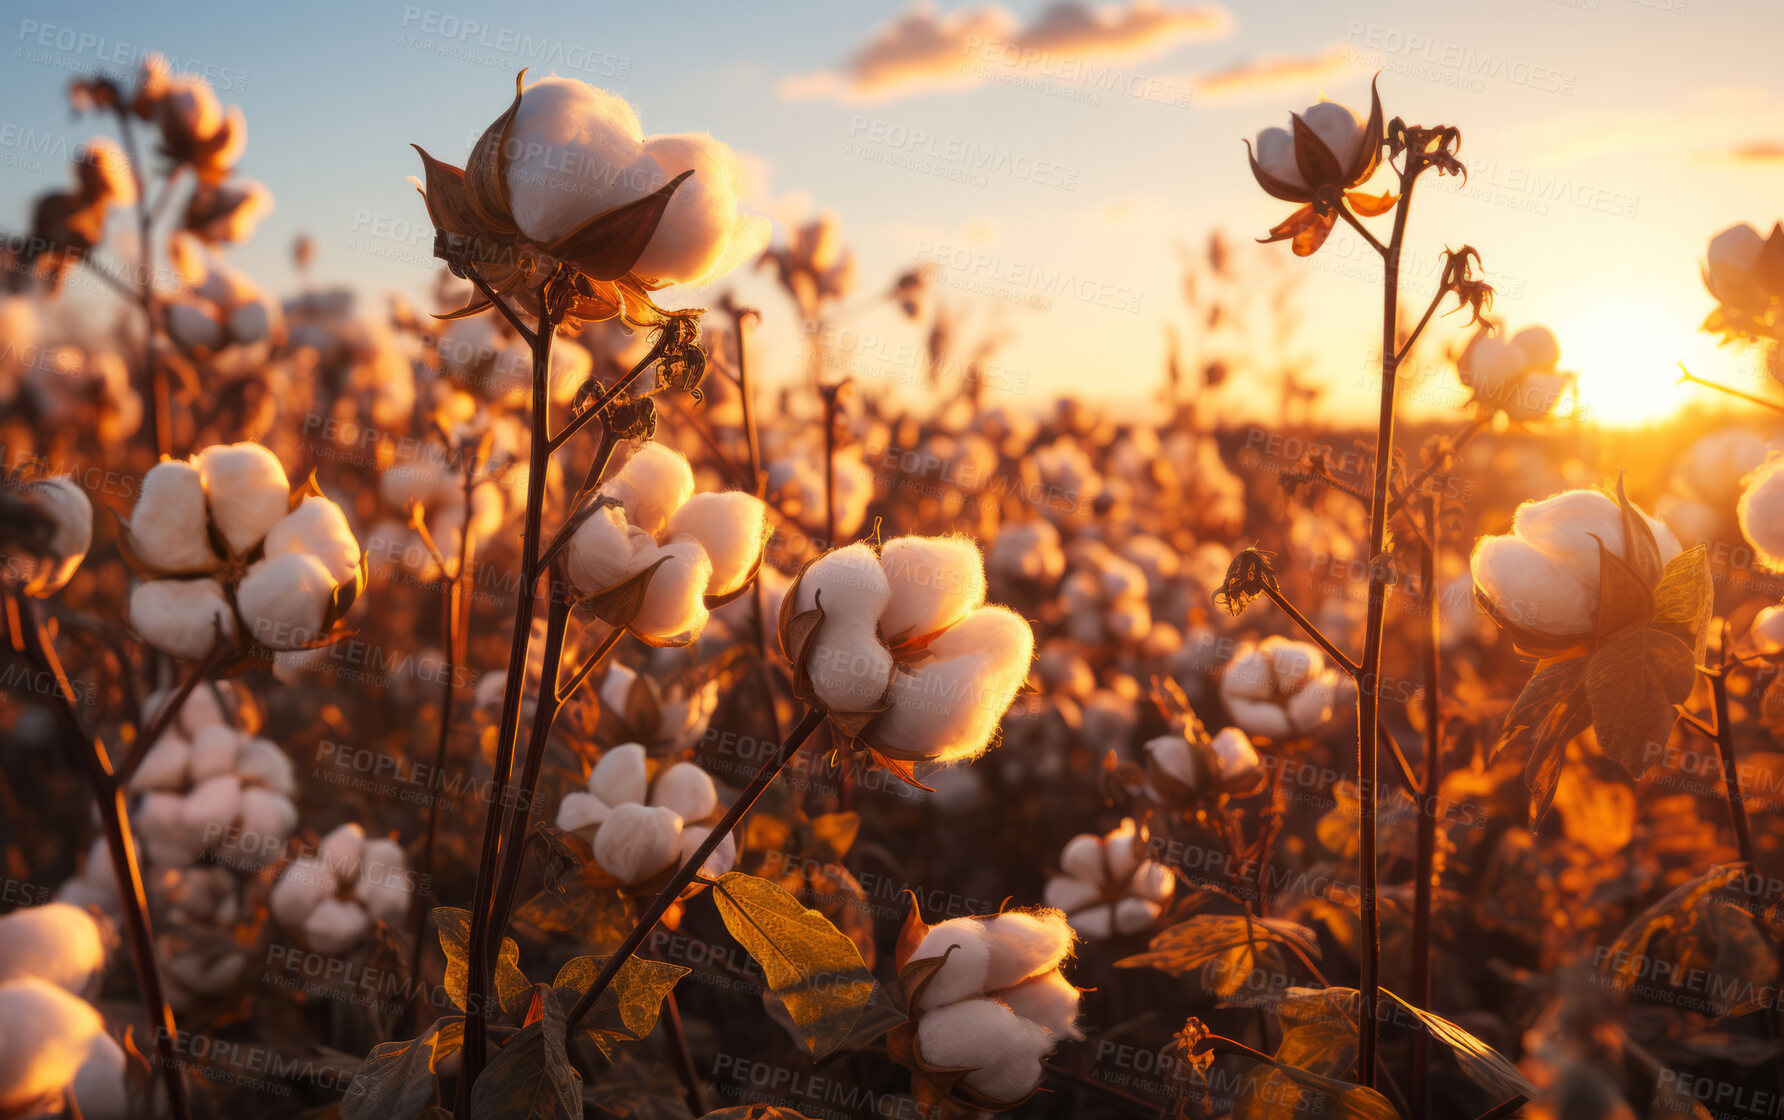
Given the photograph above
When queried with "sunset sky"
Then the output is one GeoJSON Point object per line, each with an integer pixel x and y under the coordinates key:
{"type": "Point", "coordinates": [1607, 139]}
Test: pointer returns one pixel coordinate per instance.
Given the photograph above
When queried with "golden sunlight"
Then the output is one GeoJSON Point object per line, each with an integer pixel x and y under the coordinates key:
{"type": "Point", "coordinates": [1626, 348]}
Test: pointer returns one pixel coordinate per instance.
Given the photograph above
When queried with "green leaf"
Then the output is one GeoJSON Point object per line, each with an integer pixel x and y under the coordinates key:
{"type": "Point", "coordinates": [627, 1011]}
{"type": "Point", "coordinates": [1632, 682]}
{"type": "Point", "coordinates": [531, 1077]}
{"type": "Point", "coordinates": [513, 990]}
{"type": "Point", "coordinates": [815, 970]}
{"type": "Point", "coordinates": [398, 1079]}
{"type": "Point", "coordinates": [1480, 1063]}
{"type": "Point", "coordinates": [1686, 596]}
{"type": "Point", "coordinates": [1237, 940]}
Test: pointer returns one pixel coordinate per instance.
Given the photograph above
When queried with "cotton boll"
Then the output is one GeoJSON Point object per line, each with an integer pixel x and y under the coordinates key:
{"type": "Point", "coordinates": [658, 481]}
{"type": "Point", "coordinates": [1094, 924]}
{"type": "Point", "coordinates": [1260, 717]}
{"type": "Point", "coordinates": [850, 585]}
{"type": "Point", "coordinates": [1238, 758]}
{"type": "Point", "coordinates": [570, 142]}
{"type": "Point", "coordinates": [1027, 551]}
{"type": "Point", "coordinates": [1339, 128]}
{"type": "Point", "coordinates": [1024, 944]}
{"type": "Point", "coordinates": [619, 777]}
{"type": "Point", "coordinates": [70, 514]}
{"type": "Point", "coordinates": [1172, 755]}
{"type": "Point", "coordinates": [247, 489]}
{"type": "Point", "coordinates": [721, 859]}
{"type": "Point", "coordinates": [164, 767]}
{"type": "Point", "coordinates": [1002, 1049]}
{"type": "Point", "coordinates": [1539, 347]}
{"type": "Point", "coordinates": [850, 670]}
{"type": "Point", "coordinates": [300, 890]}
{"type": "Point", "coordinates": [99, 1087]}
{"type": "Point", "coordinates": [948, 708]}
{"type": "Point", "coordinates": [674, 606]}
{"type": "Point", "coordinates": [55, 942]}
{"type": "Point", "coordinates": [164, 836]}
{"type": "Point", "coordinates": [1761, 512]}
{"type": "Point", "coordinates": [1152, 880]}
{"type": "Point", "coordinates": [336, 926]}
{"type": "Point", "coordinates": [1049, 1000]}
{"type": "Point", "coordinates": [167, 527]}
{"type": "Point", "coordinates": [601, 551]}
{"type": "Point", "coordinates": [285, 600]}
{"type": "Point", "coordinates": [686, 789]}
{"type": "Point", "coordinates": [262, 762]}
{"type": "Point", "coordinates": [341, 849]}
{"type": "Point", "coordinates": [702, 232]}
{"type": "Point", "coordinates": [1063, 892]}
{"type": "Point", "coordinates": [214, 751]}
{"type": "Point", "coordinates": [581, 813]}
{"type": "Point", "coordinates": [45, 1037]}
{"type": "Point", "coordinates": [383, 880]}
{"type": "Point", "coordinates": [1082, 858]}
{"type": "Point", "coordinates": [730, 526]}
{"type": "Point", "coordinates": [637, 841]}
{"type": "Point", "coordinates": [1276, 155]}
{"type": "Point", "coordinates": [267, 819]}
{"type": "Point", "coordinates": [1767, 631]}
{"type": "Point", "coordinates": [213, 806]}
{"type": "Point", "coordinates": [968, 965]}
{"type": "Point", "coordinates": [1124, 850]}
{"type": "Point", "coordinates": [934, 582]}
{"type": "Point", "coordinates": [1134, 914]}
{"type": "Point", "coordinates": [1531, 589]}
{"type": "Point", "coordinates": [319, 528]}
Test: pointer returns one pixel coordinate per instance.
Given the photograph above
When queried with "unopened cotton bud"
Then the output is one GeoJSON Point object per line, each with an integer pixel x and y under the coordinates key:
{"type": "Point", "coordinates": [722, 857]}
{"type": "Point", "coordinates": [304, 885]}
{"type": "Point", "coordinates": [1082, 858]}
{"type": "Point", "coordinates": [1761, 511]}
{"type": "Point", "coordinates": [1024, 944]}
{"type": "Point", "coordinates": [654, 483]}
{"type": "Point", "coordinates": [637, 841]}
{"type": "Point", "coordinates": [214, 751]}
{"type": "Point", "coordinates": [1002, 1049]}
{"type": "Point", "coordinates": [1049, 1000]}
{"type": "Point", "coordinates": [1065, 892]}
{"type": "Point", "coordinates": [319, 528]}
{"type": "Point", "coordinates": [1238, 758]}
{"type": "Point", "coordinates": [248, 492]}
{"type": "Point", "coordinates": [933, 581]}
{"type": "Point", "coordinates": [285, 600]}
{"type": "Point", "coordinates": [1134, 914]}
{"type": "Point", "coordinates": [601, 551]}
{"type": "Point", "coordinates": [687, 789]}
{"type": "Point", "coordinates": [619, 777]}
{"type": "Point", "coordinates": [336, 926]}
{"type": "Point", "coordinates": [168, 526]}
{"type": "Point", "coordinates": [730, 526]}
{"type": "Point", "coordinates": [967, 946]}
{"type": "Point", "coordinates": [674, 605]}
{"type": "Point", "coordinates": [55, 942]}
{"type": "Point", "coordinates": [341, 849]}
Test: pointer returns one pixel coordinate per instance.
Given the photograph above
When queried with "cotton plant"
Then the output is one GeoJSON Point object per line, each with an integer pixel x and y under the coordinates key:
{"type": "Point", "coordinates": [667, 716]}
{"type": "Point", "coordinates": [1519, 376]}
{"type": "Point", "coordinates": [48, 530]}
{"type": "Point", "coordinates": [1744, 271]}
{"type": "Point", "coordinates": [1279, 688]}
{"type": "Point", "coordinates": [642, 819]}
{"type": "Point", "coordinates": [655, 557]}
{"type": "Point", "coordinates": [228, 551]}
{"type": "Point", "coordinates": [1105, 597]}
{"type": "Point", "coordinates": [77, 388]}
{"type": "Point", "coordinates": [67, 224]}
{"type": "Point", "coordinates": [1191, 766]}
{"type": "Point", "coordinates": [900, 651]}
{"type": "Point", "coordinates": [1026, 555]}
{"type": "Point", "coordinates": [988, 1001]}
{"type": "Point", "coordinates": [55, 1053]}
{"type": "Point", "coordinates": [220, 309]}
{"type": "Point", "coordinates": [333, 898]}
{"type": "Point", "coordinates": [1761, 512]}
{"type": "Point", "coordinates": [796, 486]}
{"type": "Point", "coordinates": [1107, 887]}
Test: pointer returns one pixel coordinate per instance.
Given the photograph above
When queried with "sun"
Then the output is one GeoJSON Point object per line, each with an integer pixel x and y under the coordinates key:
{"type": "Point", "coordinates": [1626, 351]}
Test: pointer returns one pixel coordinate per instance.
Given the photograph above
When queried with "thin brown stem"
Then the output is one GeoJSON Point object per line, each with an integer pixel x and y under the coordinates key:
{"type": "Point", "coordinates": [1425, 858]}
{"type": "Point", "coordinates": [600, 405]}
{"type": "Point", "coordinates": [162, 419]}
{"type": "Point", "coordinates": [1693, 379]}
{"type": "Point", "coordinates": [170, 711]}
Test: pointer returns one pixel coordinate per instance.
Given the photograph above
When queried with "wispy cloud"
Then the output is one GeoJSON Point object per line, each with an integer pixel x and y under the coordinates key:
{"type": "Point", "coordinates": [1273, 74]}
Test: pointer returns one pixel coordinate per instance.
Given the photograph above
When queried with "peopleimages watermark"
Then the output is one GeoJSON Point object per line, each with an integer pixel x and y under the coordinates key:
{"type": "Point", "coordinates": [70, 48]}
{"type": "Point", "coordinates": [485, 44]}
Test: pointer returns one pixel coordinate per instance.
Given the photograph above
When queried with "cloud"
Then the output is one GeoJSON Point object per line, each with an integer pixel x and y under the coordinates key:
{"type": "Point", "coordinates": [1258, 76]}
{"type": "Point", "coordinates": [925, 51]}
{"type": "Point", "coordinates": [1758, 151]}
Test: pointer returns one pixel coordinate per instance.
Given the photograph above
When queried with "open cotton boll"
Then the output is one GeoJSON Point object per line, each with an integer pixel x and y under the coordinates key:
{"type": "Point", "coordinates": [1082, 858]}
{"type": "Point", "coordinates": [850, 671]}
{"type": "Point", "coordinates": [303, 886]}
{"type": "Point", "coordinates": [731, 527]}
{"type": "Point", "coordinates": [46, 1035]}
{"type": "Point", "coordinates": [619, 777]}
{"type": "Point", "coordinates": [214, 751]}
{"type": "Point", "coordinates": [319, 528]}
{"type": "Point", "coordinates": [702, 233]}
{"type": "Point", "coordinates": [166, 839]}
{"type": "Point", "coordinates": [686, 789]}
{"type": "Point", "coordinates": [336, 926]}
{"type": "Point", "coordinates": [261, 761]}
{"type": "Point", "coordinates": [1172, 755]}
{"type": "Point", "coordinates": [167, 527]}
{"type": "Point", "coordinates": [247, 490]}
{"type": "Point", "coordinates": [164, 767]}
{"type": "Point", "coordinates": [1049, 1000]}
{"type": "Point", "coordinates": [1094, 924]}
{"type": "Point", "coordinates": [99, 1087]}
{"type": "Point", "coordinates": [1761, 512]}
{"type": "Point", "coordinates": [675, 604]}
{"type": "Point", "coordinates": [569, 142]}
{"type": "Point", "coordinates": [1338, 127]}
{"type": "Point", "coordinates": [1238, 758]}
{"type": "Point", "coordinates": [1134, 914]}
{"type": "Point", "coordinates": [968, 965]}
{"type": "Point", "coordinates": [1002, 1049]}
{"type": "Point", "coordinates": [211, 807]}
{"type": "Point", "coordinates": [718, 862]}
{"type": "Point", "coordinates": [341, 849]}
{"type": "Point", "coordinates": [934, 582]}
{"type": "Point", "coordinates": [55, 942]}
{"type": "Point", "coordinates": [285, 600]}
{"type": "Point", "coordinates": [1123, 850]}
{"type": "Point", "coordinates": [1152, 880]}
{"type": "Point", "coordinates": [637, 841]}
{"type": "Point", "coordinates": [70, 514]}
{"type": "Point", "coordinates": [1276, 155]}
{"type": "Point", "coordinates": [1539, 346]}
{"type": "Point", "coordinates": [182, 617]}
{"type": "Point", "coordinates": [582, 813]}
{"type": "Point", "coordinates": [1068, 893]}
{"type": "Point", "coordinates": [850, 585]}
{"type": "Point", "coordinates": [948, 708]}
{"type": "Point", "coordinates": [601, 551]}
{"type": "Point", "coordinates": [1767, 630]}
{"type": "Point", "coordinates": [1024, 944]}
{"type": "Point", "coordinates": [654, 483]}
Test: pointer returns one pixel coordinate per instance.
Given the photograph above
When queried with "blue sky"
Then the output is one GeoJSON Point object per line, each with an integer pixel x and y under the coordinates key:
{"type": "Point", "coordinates": [1600, 132]}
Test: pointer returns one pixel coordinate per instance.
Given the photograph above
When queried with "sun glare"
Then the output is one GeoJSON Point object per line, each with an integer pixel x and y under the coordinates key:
{"type": "Point", "coordinates": [1626, 353]}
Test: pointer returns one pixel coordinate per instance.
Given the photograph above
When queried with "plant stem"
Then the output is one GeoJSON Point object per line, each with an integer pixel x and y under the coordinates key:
{"type": "Point", "coordinates": [1425, 859]}
{"type": "Point", "coordinates": [32, 639]}
{"type": "Point", "coordinates": [672, 890]}
{"type": "Point", "coordinates": [607, 398]}
{"type": "Point", "coordinates": [1693, 379]}
{"type": "Point", "coordinates": [163, 405]}
{"type": "Point", "coordinates": [684, 1057]}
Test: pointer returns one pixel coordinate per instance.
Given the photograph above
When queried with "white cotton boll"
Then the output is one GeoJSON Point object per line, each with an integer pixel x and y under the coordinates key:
{"type": "Point", "coordinates": [1002, 1049]}
{"type": "Point", "coordinates": [247, 489]}
{"type": "Point", "coordinates": [71, 515]}
{"type": "Point", "coordinates": [850, 585]}
{"type": "Point", "coordinates": [203, 708]}
{"type": "Point", "coordinates": [1134, 914]}
{"type": "Point", "coordinates": [660, 482]}
{"type": "Point", "coordinates": [250, 322]}
{"type": "Point", "coordinates": [285, 600]}
{"type": "Point", "coordinates": [99, 1087]}
{"type": "Point", "coordinates": [1120, 578]}
{"type": "Point", "coordinates": [570, 143]}
{"type": "Point", "coordinates": [55, 942]}
{"type": "Point", "coordinates": [731, 527]}
{"type": "Point", "coordinates": [686, 789]}
{"type": "Point", "coordinates": [1540, 347]}
{"type": "Point", "coordinates": [675, 604]}
{"type": "Point", "coordinates": [967, 967]}
{"type": "Point", "coordinates": [1533, 590]}
{"type": "Point", "coordinates": [1129, 621]}
{"type": "Point", "coordinates": [1276, 155]}
{"type": "Point", "coordinates": [214, 751]}
{"type": "Point", "coordinates": [934, 582]}
{"type": "Point", "coordinates": [637, 841]}
{"type": "Point", "coordinates": [581, 813]}
{"type": "Point", "coordinates": [949, 707]}
{"type": "Point", "coordinates": [601, 551]}
{"type": "Point", "coordinates": [300, 890]}
{"type": "Point", "coordinates": [1064, 892]}
{"type": "Point", "coordinates": [167, 527]}
{"type": "Point", "coordinates": [45, 1036]}
{"type": "Point", "coordinates": [262, 762]}
{"type": "Point", "coordinates": [1048, 1000]}
{"type": "Point", "coordinates": [267, 820]}
{"type": "Point", "coordinates": [1767, 631]}
{"type": "Point", "coordinates": [164, 767]}
{"type": "Point", "coordinates": [1027, 551]}
{"type": "Point", "coordinates": [1260, 717]}
{"type": "Point", "coordinates": [1172, 755]}
{"type": "Point", "coordinates": [619, 777]}
{"type": "Point", "coordinates": [1152, 880]}
{"type": "Point", "coordinates": [1123, 850]}
{"type": "Point", "coordinates": [1082, 858]}
{"type": "Point", "coordinates": [383, 879]}
{"type": "Point", "coordinates": [721, 859]}
{"type": "Point", "coordinates": [1312, 705]}
{"type": "Point", "coordinates": [336, 926]}
{"type": "Point", "coordinates": [213, 806]}
{"type": "Point", "coordinates": [850, 672]}
{"type": "Point", "coordinates": [1761, 512]}
{"type": "Point", "coordinates": [193, 327]}
{"type": "Point", "coordinates": [341, 849]}
{"type": "Point", "coordinates": [1024, 944]}
{"type": "Point", "coordinates": [164, 837]}
{"type": "Point", "coordinates": [1238, 758]}
{"type": "Point", "coordinates": [702, 232]}
{"type": "Point", "coordinates": [1094, 924]}
{"type": "Point", "coordinates": [319, 528]}
{"type": "Point", "coordinates": [1339, 128]}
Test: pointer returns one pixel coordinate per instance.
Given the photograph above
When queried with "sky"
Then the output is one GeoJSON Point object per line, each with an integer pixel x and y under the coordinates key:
{"type": "Point", "coordinates": [1050, 164]}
